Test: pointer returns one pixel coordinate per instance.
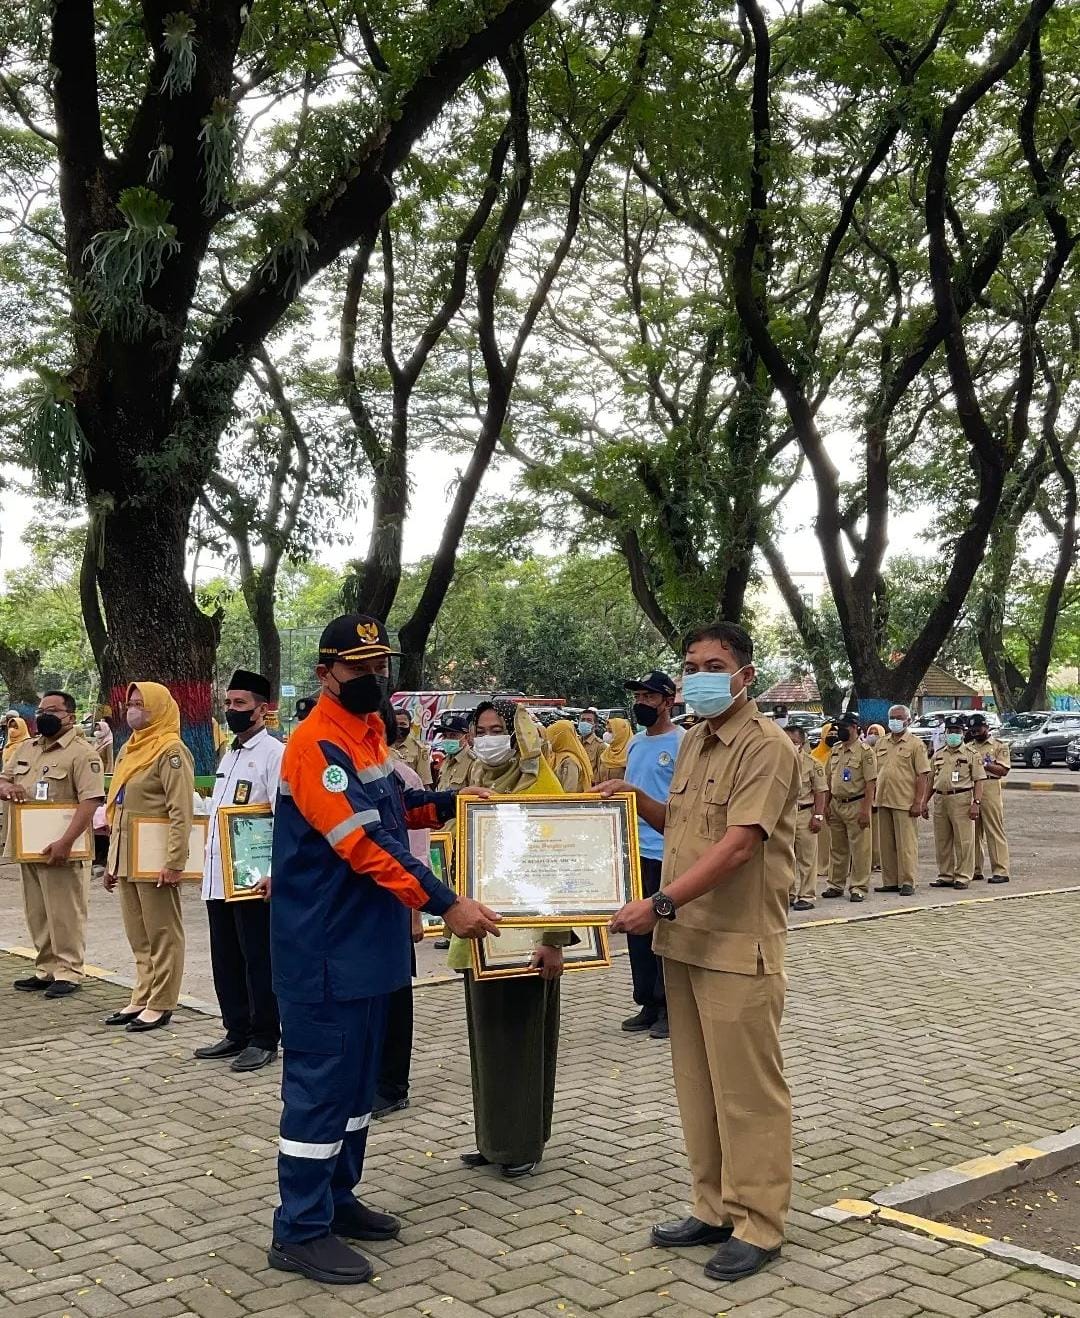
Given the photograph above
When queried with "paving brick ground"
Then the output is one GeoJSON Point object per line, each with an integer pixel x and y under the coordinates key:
{"type": "Point", "coordinates": [135, 1181]}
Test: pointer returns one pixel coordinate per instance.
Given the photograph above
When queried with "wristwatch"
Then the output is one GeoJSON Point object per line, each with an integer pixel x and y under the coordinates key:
{"type": "Point", "coordinates": [663, 906]}
{"type": "Point", "coordinates": [820, 817]}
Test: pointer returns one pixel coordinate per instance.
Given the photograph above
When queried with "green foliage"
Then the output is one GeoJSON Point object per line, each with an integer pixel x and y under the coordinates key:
{"type": "Point", "coordinates": [218, 145]}
{"type": "Point", "coordinates": [55, 443]}
{"type": "Point", "coordinates": [123, 262]}
{"type": "Point", "coordinates": [180, 43]}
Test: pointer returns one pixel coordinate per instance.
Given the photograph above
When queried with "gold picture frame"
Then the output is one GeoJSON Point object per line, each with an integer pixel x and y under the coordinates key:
{"type": "Point", "coordinates": [149, 838]}
{"type": "Point", "coordinates": [33, 821]}
{"type": "Point", "coordinates": [441, 855]}
{"type": "Point", "coordinates": [560, 861]}
{"type": "Point", "coordinates": [508, 956]}
{"type": "Point", "coordinates": [245, 842]}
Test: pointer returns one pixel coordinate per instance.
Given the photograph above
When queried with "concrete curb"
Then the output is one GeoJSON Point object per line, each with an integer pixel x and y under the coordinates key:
{"type": "Point", "coordinates": [1025, 785]}
{"type": "Point", "coordinates": [913, 1203]}
{"type": "Point", "coordinates": [931, 906]}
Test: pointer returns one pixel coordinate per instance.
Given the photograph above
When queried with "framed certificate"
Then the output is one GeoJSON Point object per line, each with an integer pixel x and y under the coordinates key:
{"type": "Point", "coordinates": [441, 853]}
{"type": "Point", "coordinates": [150, 845]}
{"type": "Point", "coordinates": [246, 838]}
{"type": "Point", "coordinates": [35, 824]}
{"type": "Point", "coordinates": [509, 955]}
{"type": "Point", "coordinates": [552, 860]}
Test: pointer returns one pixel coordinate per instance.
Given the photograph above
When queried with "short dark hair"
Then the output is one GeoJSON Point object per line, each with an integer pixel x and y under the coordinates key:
{"type": "Point", "coordinates": [69, 700]}
{"type": "Point", "coordinates": [796, 727]}
{"type": "Point", "coordinates": [729, 634]}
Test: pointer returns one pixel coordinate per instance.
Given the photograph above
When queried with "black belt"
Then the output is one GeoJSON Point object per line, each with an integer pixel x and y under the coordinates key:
{"type": "Point", "coordinates": [808, 806]}
{"type": "Point", "coordinates": [846, 800]}
{"type": "Point", "coordinates": [959, 791]}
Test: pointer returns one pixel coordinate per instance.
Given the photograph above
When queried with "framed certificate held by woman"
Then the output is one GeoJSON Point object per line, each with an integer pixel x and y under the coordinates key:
{"type": "Point", "coordinates": [552, 860]}
{"type": "Point", "coordinates": [511, 953]}
{"type": "Point", "coordinates": [246, 838]}
{"type": "Point", "coordinates": [150, 847]}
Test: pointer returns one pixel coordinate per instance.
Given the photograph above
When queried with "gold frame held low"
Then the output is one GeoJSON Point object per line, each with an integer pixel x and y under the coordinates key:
{"type": "Point", "coordinates": [139, 873]}
{"type": "Point", "coordinates": [225, 815]}
{"type": "Point", "coordinates": [554, 814]}
{"type": "Point", "coordinates": [83, 848]}
{"type": "Point", "coordinates": [441, 844]}
{"type": "Point", "coordinates": [592, 953]}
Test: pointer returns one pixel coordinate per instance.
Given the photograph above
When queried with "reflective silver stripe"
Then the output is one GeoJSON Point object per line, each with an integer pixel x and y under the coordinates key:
{"type": "Point", "coordinates": [374, 772]}
{"type": "Point", "coordinates": [360, 820]}
{"type": "Point", "coordinates": [298, 1149]}
{"type": "Point", "coordinates": [284, 788]}
{"type": "Point", "coordinates": [357, 1123]}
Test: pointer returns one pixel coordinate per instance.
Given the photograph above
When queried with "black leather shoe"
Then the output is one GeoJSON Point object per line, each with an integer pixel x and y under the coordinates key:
{"type": "Point", "coordinates": [998, 878]}
{"type": "Point", "coordinates": [856, 897]}
{"type": "Point", "coordinates": [140, 1027]}
{"type": "Point", "coordinates": [688, 1232]}
{"type": "Point", "coordinates": [223, 1048]}
{"type": "Point", "coordinates": [803, 904]}
{"type": "Point", "coordinates": [441, 944]}
{"type": "Point", "coordinates": [327, 1259]}
{"type": "Point", "coordinates": [383, 1107]}
{"type": "Point", "coordinates": [941, 883]}
{"type": "Point", "coordinates": [474, 1160]}
{"type": "Point", "coordinates": [736, 1259]}
{"type": "Point", "coordinates": [62, 988]}
{"type": "Point", "coordinates": [32, 984]}
{"type": "Point", "coordinates": [254, 1058]}
{"type": "Point", "coordinates": [122, 1017]}
{"type": "Point", "coordinates": [356, 1222]}
{"type": "Point", "coordinates": [644, 1020]}
{"type": "Point", "coordinates": [893, 888]}
{"type": "Point", "coordinates": [830, 893]}
{"type": "Point", "coordinates": [659, 1028]}
{"type": "Point", "coordinates": [907, 890]}
{"type": "Point", "coordinates": [513, 1171]}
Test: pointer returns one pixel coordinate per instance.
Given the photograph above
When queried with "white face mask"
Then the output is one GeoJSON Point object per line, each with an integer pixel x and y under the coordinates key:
{"type": "Point", "coordinates": [493, 750]}
{"type": "Point", "coordinates": [609, 737]}
{"type": "Point", "coordinates": [871, 738]}
{"type": "Point", "coordinates": [897, 725]}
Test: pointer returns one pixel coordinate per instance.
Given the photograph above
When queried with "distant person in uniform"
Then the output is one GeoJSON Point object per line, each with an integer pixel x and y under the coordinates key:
{"type": "Point", "coordinates": [720, 921]}
{"type": "Point", "coordinates": [304, 706]}
{"type": "Point", "coordinates": [990, 826]}
{"type": "Point", "coordinates": [456, 744]}
{"type": "Point", "coordinates": [247, 774]}
{"type": "Point", "coordinates": [588, 730]}
{"type": "Point", "coordinates": [808, 821]}
{"type": "Point", "coordinates": [569, 757]}
{"type": "Point", "coordinates": [851, 774]}
{"type": "Point", "coordinates": [616, 744]}
{"type": "Point", "coordinates": [58, 767]}
{"type": "Point", "coordinates": [15, 733]}
{"type": "Point", "coordinates": [650, 765]}
{"type": "Point", "coordinates": [903, 788]}
{"type": "Point", "coordinates": [958, 779]}
{"type": "Point", "coordinates": [154, 775]}
{"type": "Point", "coordinates": [410, 750]}
{"type": "Point", "coordinates": [344, 884]}
{"type": "Point", "coordinates": [821, 753]}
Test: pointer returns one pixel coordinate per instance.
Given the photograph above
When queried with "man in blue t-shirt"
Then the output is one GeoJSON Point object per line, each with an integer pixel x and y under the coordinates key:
{"type": "Point", "coordinates": [650, 763]}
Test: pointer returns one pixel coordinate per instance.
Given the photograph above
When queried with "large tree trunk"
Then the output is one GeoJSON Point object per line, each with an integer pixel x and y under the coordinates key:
{"type": "Point", "coordinates": [374, 586]}
{"type": "Point", "coordinates": [259, 596]}
{"type": "Point", "coordinates": [18, 669]}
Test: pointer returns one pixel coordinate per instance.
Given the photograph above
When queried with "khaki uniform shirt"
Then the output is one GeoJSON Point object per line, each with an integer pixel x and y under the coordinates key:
{"type": "Point", "coordinates": [957, 770]}
{"type": "Point", "coordinates": [858, 762]}
{"type": "Point", "coordinates": [998, 753]}
{"type": "Point", "coordinates": [900, 761]}
{"type": "Point", "coordinates": [569, 775]}
{"type": "Point", "coordinates": [746, 773]}
{"type": "Point", "coordinates": [456, 769]}
{"type": "Point", "coordinates": [417, 756]}
{"type": "Point", "coordinates": [811, 777]}
{"type": "Point", "coordinates": [66, 771]}
{"type": "Point", "coordinates": [594, 748]}
{"type": "Point", "coordinates": [166, 787]}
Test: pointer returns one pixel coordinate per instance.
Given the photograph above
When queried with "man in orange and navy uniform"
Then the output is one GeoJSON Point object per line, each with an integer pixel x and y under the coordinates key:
{"type": "Point", "coordinates": [343, 883]}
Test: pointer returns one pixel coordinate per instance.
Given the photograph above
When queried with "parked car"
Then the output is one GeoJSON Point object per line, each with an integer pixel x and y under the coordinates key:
{"type": "Point", "coordinates": [1016, 725]}
{"type": "Point", "coordinates": [1072, 754]}
{"type": "Point", "coordinates": [926, 725]}
{"type": "Point", "coordinates": [1046, 743]}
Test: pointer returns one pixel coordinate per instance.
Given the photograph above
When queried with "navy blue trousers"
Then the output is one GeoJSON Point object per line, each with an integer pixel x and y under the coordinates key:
{"type": "Point", "coordinates": [331, 1061]}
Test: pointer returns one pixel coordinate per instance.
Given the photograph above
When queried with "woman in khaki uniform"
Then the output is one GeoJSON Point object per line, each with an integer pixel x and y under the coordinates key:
{"type": "Point", "coordinates": [613, 756]}
{"type": "Point", "coordinates": [570, 760]}
{"type": "Point", "coordinates": [154, 775]}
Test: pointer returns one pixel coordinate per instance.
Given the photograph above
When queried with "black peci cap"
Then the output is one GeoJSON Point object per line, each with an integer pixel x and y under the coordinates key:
{"type": "Point", "coordinates": [657, 681]}
{"type": "Point", "coordinates": [849, 720]}
{"type": "Point", "coordinates": [352, 637]}
{"type": "Point", "coordinates": [955, 723]}
{"type": "Point", "coordinates": [976, 721]}
{"type": "Point", "coordinates": [245, 680]}
{"type": "Point", "coordinates": [304, 706]}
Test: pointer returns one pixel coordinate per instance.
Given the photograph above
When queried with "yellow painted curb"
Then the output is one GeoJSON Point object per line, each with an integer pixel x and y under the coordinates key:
{"type": "Point", "coordinates": [864, 1209]}
{"type": "Point", "coordinates": [997, 1162]}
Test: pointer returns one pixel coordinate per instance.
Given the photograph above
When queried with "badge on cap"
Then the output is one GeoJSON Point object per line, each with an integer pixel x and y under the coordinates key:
{"type": "Point", "coordinates": [368, 631]}
{"type": "Point", "coordinates": [334, 778]}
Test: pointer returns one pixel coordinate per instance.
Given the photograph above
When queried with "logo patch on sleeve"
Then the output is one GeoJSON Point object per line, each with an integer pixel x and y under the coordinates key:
{"type": "Point", "coordinates": [334, 778]}
{"type": "Point", "coordinates": [175, 761]}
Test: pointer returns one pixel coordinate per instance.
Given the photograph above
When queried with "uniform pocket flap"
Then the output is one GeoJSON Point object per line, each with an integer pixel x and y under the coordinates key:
{"type": "Point", "coordinates": [324, 1040]}
{"type": "Point", "coordinates": [56, 771]}
{"type": "Point", "coordinates": [717, 791]}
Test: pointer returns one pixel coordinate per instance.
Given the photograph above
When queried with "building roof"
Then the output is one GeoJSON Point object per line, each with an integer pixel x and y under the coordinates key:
{"type": "Point", "coordinates": [795, 692]}
{"type": "Point", "coordinates": [938, 682]}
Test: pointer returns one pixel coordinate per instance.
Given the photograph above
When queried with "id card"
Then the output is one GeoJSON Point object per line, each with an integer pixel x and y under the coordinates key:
{"type": "Point", "coordinates": [956, 775]}
{"type": "Point", "coordinates": [845, 775]}
{"type": "Point", "coordinates": [41, 792]}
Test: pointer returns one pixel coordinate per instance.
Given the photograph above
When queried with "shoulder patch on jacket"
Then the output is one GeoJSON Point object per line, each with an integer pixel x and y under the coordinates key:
{"type": "Point", "coordinates": [175, 761]}
{"type": "Point", "coordinates": [334, 778]}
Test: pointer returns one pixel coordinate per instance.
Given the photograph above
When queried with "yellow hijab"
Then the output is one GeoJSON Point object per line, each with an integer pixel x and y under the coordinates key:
{"type": "Point", "coordinates": [528, 773]}
{"type": "Point", "coordinates": [17, 732]}
{"type": "Point", "coordinates": [614, 756]}
{"type": "Point", "coordinates": [565, 744]}
{"type": "Point", "coordinates": [143, 747]}
{"type": "Point", "coordinates": [821, 752]}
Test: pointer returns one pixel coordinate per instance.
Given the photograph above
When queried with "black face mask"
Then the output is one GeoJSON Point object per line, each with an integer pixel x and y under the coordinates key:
{"type": "Point", "coordinates": [363, 694]}
{"type": "Point", "coordinates": [646, 715]}
{"type": "Point", "coordinates": [832, 739]}
{"type": "Point", "coordinates": [48, 724]}
{"type": "Point", "coordinates": [239, 720]}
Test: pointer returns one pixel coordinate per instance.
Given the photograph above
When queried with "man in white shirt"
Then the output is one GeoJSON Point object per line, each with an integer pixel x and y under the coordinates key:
{"type": "Point", "coordinates": [240, 930]}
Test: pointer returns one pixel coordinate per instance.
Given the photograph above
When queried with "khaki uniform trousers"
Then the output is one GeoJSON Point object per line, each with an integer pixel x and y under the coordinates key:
{"type": "Point", "coordinates": [733, 1100]}
{"type": "Point", "coordinates": [875, 839]}
{"type": "Point", "coordinates": [824, 851]}
{"type": "Point", "coordinates": [804, 883]}
{"type": "Point", "coordinates": [954, 836]}
{"type": "Point", "coordinates": [990, 831]}
{"type": "Point", "coordinates": [55, 899]}
{"type": "Point", "coordinates": [899, 848]}
{"type": "Point", "coordinates": [851, 847]}
{"type": "Point", "coordinates": [155, 931]}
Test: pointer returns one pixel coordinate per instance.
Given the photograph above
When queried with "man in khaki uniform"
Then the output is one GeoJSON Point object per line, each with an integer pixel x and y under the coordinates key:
{"type": "Point", "coordinates": [410, 750]}
{"type": "Point", "coordinates": [958, 778]}
{"type": "Point", "coordinates": [59, 767]}
{"type": "Point", "coordinates": [903, 788]}
{"type": "Point", "coordinates": [720, 921]}
{"type": "Point", "coordinates": [587, 727]}
{"type": "Point", "coordinates": [990, 825]}
{"type": "Point", "coordinates": [808, 822]}
{"type": "Point", "coordinates": [852, 775]}
{"type": "Point", "coordinates": [457, 742]}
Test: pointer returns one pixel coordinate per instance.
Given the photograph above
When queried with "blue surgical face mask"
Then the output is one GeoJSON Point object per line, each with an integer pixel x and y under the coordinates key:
{"type": "Point", "coordinates": [954, 739]}
{"type": "Point", "coordinates": [708, 694]}
{"type": "Point", "coordinates": [450, 747]}
{"type": "Point", "coordinates": [585, 728]}
{"type": "Point", "coordinates": [897, 725]}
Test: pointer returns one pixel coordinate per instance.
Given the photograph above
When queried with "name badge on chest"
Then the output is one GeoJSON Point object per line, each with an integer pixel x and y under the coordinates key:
{"type": "Point", "coordinates": [845, 776]}
{"type": "Point", "coordinates": [41, 791]}
{"type": "Point", "coordinates": [956, 775]}
{"type": "Point", "coordinates": [242, 794]}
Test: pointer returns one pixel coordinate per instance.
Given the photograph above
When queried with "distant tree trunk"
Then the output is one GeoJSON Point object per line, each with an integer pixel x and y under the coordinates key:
{"type": "Point", "coordinates": [807, 627]}
{"type": "Point", "coordinates": [18, 668]}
